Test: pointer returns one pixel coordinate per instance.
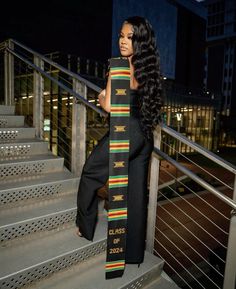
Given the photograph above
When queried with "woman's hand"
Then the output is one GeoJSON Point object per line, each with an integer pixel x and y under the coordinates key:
{"type": "Point", "coordinates": [104, 96]}
{"type": "Point", "coordinates": [101, 97]}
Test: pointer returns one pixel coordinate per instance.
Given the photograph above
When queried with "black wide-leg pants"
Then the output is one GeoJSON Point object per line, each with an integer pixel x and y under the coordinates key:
{"type": "Point", "coordinates": [95, 174]}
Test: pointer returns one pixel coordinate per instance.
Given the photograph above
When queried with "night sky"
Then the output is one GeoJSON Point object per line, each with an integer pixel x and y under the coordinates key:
{"type": "Point", "coordinates": [80, 27]}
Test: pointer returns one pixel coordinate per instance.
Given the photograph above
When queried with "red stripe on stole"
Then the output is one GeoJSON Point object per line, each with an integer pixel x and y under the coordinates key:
{"type": "Point", "coordinates": [117, 214]}
{"type": "Point", "coordinates": [117, 181]}
{"type": "Point", "coordinates": [119, 145]}
{"type": "Point", "coordinates": [115, 265]}
{"type": "Point", "coordinates": [117, 109]}
{"type": "Point", "coordinates": [120, 72]}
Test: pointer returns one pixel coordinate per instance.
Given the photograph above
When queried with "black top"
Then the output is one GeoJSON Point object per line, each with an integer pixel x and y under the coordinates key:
{"type": "Point", "coordinates": [134, 103]}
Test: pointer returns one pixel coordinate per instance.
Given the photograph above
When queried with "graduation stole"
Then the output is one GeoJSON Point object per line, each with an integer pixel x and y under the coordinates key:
{"type": "Point", "coordinates": [118, 167]}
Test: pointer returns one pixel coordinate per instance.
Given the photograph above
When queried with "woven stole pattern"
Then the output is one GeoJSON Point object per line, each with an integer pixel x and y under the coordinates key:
{"type": "Point", "coordinates": [118, 166]}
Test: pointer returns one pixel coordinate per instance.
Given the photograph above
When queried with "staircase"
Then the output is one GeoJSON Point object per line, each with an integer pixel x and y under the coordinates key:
{"type": "Point", "coordinates": [39, 246]}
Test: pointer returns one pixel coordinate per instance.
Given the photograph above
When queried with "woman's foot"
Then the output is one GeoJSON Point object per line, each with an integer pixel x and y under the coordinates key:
{"type": "Point", "coordinates": [78, 233]}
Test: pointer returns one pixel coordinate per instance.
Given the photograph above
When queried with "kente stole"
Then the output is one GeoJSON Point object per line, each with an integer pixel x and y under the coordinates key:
{"type": "Point", "coordinates": [118, 166]}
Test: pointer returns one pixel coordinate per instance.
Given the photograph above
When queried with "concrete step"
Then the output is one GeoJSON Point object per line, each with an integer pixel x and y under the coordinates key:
{"type": "Point", "coordinates": [91, 274]}
{"type": "Point", "coordinates": [43, 215]}
{"type": "Point", "coordinates": [30, 165]}
{"type": "Point", "coordinates": [7, 109]}
{"type": "Point", "coordinates": [14, 133]}
{"type": "Point", "coordinates": [38, 258]}
{"type": "Point", "coordinates": [12, 120]}
{"type": "Point", "coordinates": [161, 283]}
{"type": "Point", "coordinates": [23, 147]}
{"type": "Point", "coordinates": [33, 188]}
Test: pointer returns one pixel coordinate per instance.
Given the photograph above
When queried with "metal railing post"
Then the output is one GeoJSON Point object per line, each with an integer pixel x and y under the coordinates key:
{"type": "Point", "coordinates": [153, 189]}
{"type": "Point", "coordinates": [230, 263]}
{"type": "Point", "coordinates": [96, 69]}
{"type": "Point", "coordinates": [87, 66]}
{"type": "Point", "coordinates": [78, 145]}
{"type": "Point", "coordinates": [9, 74]}
{"type": "Point", "coordinates": [38, 107]}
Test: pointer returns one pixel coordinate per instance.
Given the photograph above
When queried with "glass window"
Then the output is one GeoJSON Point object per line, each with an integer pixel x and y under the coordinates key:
{"type": "Point", "coordinates": [210, 9]}
{"type": "Point", "coordinates": [199, 121]}
{"type": "Point", "coordinates": [210, 20]}
{"type": "Point", "coordinates": [222, 6]}
{"type": "Point", "coordinates": [221, 30]}
{"type": "Point", "coordinates": [214, 8]}
{"type": "Point", "coordinates": [185, 121]}
{"type": "Point", "coordinates": [222, 18]}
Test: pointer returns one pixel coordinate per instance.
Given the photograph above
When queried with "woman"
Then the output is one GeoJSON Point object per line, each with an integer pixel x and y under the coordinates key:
{"type": "Point", "coordinates": [137, 44]}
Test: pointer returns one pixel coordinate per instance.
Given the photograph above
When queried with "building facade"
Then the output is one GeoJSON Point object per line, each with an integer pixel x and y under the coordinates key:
{"type": "Point", "coordinates": [221, 62]}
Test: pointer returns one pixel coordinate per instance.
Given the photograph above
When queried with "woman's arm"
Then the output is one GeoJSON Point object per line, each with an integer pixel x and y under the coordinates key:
{"type": "Point", "coordinates": [105, 96]}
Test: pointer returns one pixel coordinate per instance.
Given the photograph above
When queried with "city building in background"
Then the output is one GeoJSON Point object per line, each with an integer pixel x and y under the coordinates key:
{"type": "Point", "coordinates": [221, 62]}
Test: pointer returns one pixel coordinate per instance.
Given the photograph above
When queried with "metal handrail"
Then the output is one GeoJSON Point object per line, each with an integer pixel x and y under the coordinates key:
{"type": "Point", "coordinates": [58, 66]}
{"type": "Point", "coordinates": [197, 179]}
{"type": "Point", "coordinates": [210, 155]}
{"type": "Point", "coordinates": [71, 91]}
{"type": "Point", "coordinates": [229, 264]}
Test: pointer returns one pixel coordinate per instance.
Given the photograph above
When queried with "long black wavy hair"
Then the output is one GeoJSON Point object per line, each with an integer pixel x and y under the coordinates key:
{"type": "Point", "coordinates": [146, 62]}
